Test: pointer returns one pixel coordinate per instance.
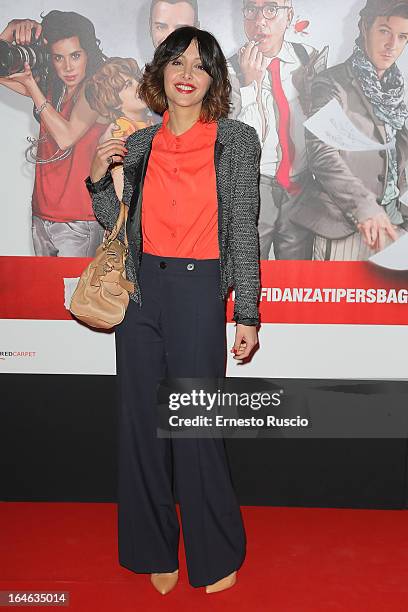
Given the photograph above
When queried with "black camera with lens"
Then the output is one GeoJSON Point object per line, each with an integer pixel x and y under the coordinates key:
{"type": "Point", "coordinates": [13, 56]}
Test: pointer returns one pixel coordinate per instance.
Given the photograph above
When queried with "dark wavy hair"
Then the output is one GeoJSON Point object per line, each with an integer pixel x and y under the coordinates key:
{"type": "Point", "coordinates": [379, 8]}
{"type": "Point", "coordinates": [58, 25]}
{"type": "Point", "coordinates": [216, 102]}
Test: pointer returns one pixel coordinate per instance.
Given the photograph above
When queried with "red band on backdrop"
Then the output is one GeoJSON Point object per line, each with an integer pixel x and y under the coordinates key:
{"type": "Point", "coordinates": [307, 292]}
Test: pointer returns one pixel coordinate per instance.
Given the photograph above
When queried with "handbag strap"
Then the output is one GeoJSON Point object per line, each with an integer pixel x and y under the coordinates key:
{"type": "Point", "coordinates": [122, 218]}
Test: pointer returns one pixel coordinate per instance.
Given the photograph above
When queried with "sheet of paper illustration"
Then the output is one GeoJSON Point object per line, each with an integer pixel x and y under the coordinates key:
{"type": "Point", "coordinates": [404, 198]}
{"type": "Point", "coordinates": [70, 284]}
{"type": "Point", "coordinates": [333, 127]}
{"type": "Point", "coordinates": [395, 256]}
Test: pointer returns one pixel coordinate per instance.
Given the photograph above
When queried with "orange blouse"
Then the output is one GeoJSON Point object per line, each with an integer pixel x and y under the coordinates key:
{"type": "Point", "coordinates": [180, 205]}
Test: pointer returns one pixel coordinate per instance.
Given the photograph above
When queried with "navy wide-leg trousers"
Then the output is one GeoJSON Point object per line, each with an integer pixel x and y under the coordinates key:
{"type": "Point", "coordinates": [179, 332]}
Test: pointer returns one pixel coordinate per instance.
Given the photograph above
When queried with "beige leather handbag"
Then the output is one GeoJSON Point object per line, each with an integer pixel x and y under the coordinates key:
{"type": "Point", "coordinates": [102, 294]}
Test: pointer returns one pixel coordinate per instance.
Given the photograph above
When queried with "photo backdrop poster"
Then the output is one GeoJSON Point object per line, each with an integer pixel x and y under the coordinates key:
{"type": "Point", "coordinates": [320, 318]}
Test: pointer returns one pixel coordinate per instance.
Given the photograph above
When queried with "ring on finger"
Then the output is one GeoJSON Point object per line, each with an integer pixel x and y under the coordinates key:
{"type": "Point", "coordinates": [109, 159]}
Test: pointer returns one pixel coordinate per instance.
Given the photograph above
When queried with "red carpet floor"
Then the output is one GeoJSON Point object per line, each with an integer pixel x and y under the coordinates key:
{"type": "Point", "coordinates": [298, 560]}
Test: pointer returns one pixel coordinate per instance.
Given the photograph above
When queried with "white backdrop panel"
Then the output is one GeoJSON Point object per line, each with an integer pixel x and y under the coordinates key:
{"type": "Point", "coordinates": [287, 351]}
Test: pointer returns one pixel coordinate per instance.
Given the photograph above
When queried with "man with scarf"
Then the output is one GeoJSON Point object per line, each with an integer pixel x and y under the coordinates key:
{"type": "Point", "coordinates": [353, 202]}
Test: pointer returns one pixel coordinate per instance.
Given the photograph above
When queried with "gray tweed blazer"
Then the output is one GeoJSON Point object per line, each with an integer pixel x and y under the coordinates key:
{"type": "Point", "coordinates": [236, 157]}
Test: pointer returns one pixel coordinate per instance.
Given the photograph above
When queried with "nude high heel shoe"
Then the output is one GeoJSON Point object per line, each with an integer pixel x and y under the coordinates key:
{"type": "Point", "coordinates": [164, 582]}
{"type": "Point", "coordinates": [221, 585]}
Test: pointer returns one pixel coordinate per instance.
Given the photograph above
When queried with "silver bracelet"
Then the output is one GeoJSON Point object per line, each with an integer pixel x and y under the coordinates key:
{"type": "Point", "coordinates": [43, 105]}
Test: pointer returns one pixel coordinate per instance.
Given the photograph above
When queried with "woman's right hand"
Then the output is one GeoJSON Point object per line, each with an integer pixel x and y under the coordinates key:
{"type": "Point", "coordinates": [374, 230]}
{"type": "Point", "coordinates": [20, 31]}
{"type": "Point", "coordinates": [111, 151]}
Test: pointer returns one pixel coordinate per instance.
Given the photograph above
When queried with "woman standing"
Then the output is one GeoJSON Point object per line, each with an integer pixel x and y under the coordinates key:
{"type": "Point", "coordinates": [193, 237]}
{"type": "Point", "coordinates": [354, 205]}
{"type": "Point", "coordinates": [63, 223]}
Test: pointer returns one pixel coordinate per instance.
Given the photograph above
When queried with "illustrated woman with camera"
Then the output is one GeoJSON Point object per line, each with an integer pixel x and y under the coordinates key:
{"type": "Point", "coordinates": [50, 62]}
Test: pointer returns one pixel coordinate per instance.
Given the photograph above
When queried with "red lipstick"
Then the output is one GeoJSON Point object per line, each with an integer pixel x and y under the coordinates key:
{"type": "Point", "coordinates": [185, 88]}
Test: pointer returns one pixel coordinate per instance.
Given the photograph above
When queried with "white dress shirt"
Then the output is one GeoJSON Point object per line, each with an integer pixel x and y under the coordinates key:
{"type": "Point", "coordinates": [251, 110]}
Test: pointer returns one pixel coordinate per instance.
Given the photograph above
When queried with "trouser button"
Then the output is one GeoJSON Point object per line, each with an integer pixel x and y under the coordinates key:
{"type": "Point", "coordinates": [190, 267]}
{"type": "Point", "coordinates": [163, 265]}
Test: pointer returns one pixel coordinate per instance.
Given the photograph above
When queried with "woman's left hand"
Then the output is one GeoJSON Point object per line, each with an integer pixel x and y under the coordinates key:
{"type": "Point", "coordinates": [246, 339]}
{"type": "Point", "coordinates": [25, 78]}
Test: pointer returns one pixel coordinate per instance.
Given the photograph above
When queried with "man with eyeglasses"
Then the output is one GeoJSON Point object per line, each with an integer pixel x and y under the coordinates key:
{"type": "Point", "coordinates": [269, 76]}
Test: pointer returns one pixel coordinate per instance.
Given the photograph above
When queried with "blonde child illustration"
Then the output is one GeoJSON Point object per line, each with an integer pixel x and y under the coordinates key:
{"type": "Point", "coordinates": [113, 93]}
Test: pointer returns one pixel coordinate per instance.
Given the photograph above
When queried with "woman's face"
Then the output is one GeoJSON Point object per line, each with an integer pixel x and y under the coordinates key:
{"type": "Point", "coordinates": [131, 103]}
{"type": "Point", "coordinates": [185, 80]}
{"type": "Point", "coordinates": [385, 41]}
{"type": "Point", "coordinates": [69, 60]}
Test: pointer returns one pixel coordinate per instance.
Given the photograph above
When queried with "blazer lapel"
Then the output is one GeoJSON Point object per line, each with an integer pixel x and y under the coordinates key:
{"type": "Point", "coordinates": [379, 127]}
{"type": "Point", "coordinates": [222, 158]}
{"type": "Point", "coordinates": [218, 150]}
{"type": "Point", "coordinates": [135, 207]}
{"type": "Point", "coordinates": [221, 154]}
{"type": "Point", "coordinates": [402, 147]}
{"type": "Point", "coordinates": [136, 174]}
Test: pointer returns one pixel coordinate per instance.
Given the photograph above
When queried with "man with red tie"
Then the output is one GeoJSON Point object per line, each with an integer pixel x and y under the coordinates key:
{"type": "Point", "coordinates": [268, 77]}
